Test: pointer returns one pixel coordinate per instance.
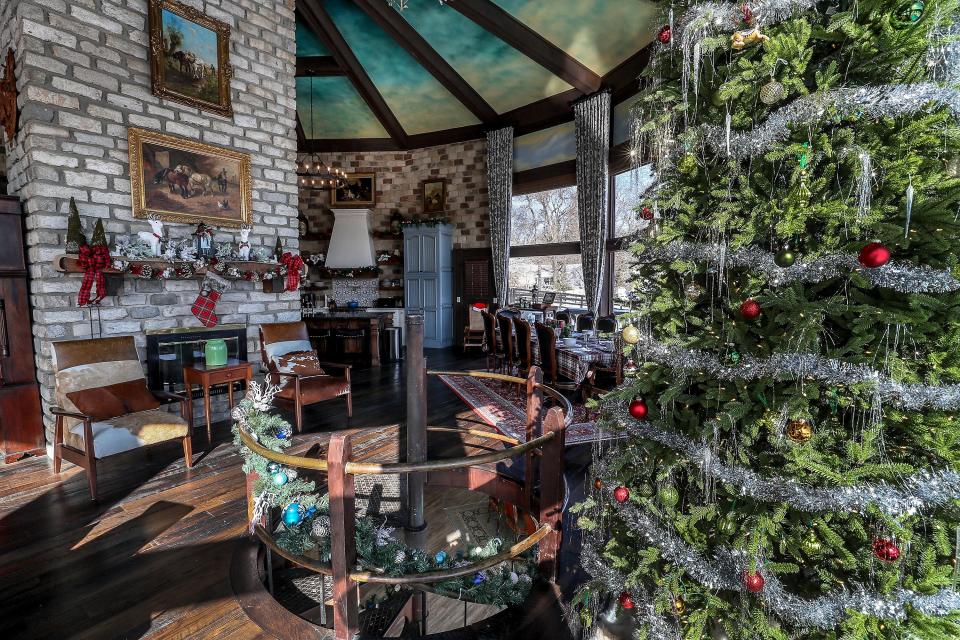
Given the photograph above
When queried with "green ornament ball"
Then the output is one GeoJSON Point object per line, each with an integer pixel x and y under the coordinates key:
{"type": "Point", "coordinates": [645, 489]}
{"type": "Point", "coordinates": [734, 357]}
{"type": "Point", "coordinates": [717, 99]}
{"type": "Point", "coordinates": [811, 545]}
{"type": "Point", "coordinates": [785, 258]}
{"type": "Point", "coordinates": [727, 526]}
{"type": "Point", "coordinates": [669, 496]}
{"type": "Point", "coordinates": [907, 14]}
{"type": "Point", "coordinates": [687, 164]}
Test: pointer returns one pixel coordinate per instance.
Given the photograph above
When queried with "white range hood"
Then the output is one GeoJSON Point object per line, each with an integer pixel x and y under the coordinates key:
{"type": "Point", "coordinates": [351, 244]}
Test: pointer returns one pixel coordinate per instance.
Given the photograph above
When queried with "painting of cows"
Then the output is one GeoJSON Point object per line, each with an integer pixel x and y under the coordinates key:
{"type": "Point", "coordinates": [190, 56]}
{"type": "Point", "coordinates": [182, 180]}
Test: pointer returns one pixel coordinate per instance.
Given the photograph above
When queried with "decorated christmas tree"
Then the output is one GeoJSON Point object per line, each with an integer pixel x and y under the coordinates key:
{"type": "Point", "coordinates": [788, 457]}
{"type": "Point", "coordinates": [75, 237]}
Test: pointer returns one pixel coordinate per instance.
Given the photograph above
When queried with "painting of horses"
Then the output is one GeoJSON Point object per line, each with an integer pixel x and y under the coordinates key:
{"type": "Point", "coordinates": [189, 56]}
{"type": "Point", "coordinates": [183, 180]}
{"type": "Point", "coordinates": [359, 190]}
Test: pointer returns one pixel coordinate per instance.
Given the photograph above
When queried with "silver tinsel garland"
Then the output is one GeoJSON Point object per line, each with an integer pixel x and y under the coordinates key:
{"type": "Point", "coordinates": [862, 102]}
{"type": "Point", "coordinates": [899, 276]}
{"type": "Point", "coordinates": [924, 489]}
{"type": "Point", "coordinates": [726, 569]}
{"type": "Point", "coordinates": [911, 397]}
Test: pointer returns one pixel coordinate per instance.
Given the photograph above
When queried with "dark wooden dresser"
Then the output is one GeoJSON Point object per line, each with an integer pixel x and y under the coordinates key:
{"type": "Point", "coordinates": [21, 419]}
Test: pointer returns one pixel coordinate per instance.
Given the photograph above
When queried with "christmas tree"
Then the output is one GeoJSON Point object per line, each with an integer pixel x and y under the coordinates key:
{"type": "Point", "coordinates": [75, 237]}
{"type": "Point", "coordinates": [788, 462]}
{"type": "Point", "coordinates": [99, 237]}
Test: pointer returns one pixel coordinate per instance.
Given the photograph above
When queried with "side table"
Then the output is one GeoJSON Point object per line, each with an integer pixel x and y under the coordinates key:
{"type": "Point", "coordinates": [206, 377]}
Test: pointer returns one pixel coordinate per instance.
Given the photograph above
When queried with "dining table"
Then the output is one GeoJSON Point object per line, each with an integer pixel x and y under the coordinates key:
{"type": "Point", "coordinates": [574, 361]}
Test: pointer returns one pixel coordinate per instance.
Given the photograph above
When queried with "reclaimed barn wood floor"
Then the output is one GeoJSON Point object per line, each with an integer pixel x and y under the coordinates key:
{"type": "Point", "coordinates": [151, 559]}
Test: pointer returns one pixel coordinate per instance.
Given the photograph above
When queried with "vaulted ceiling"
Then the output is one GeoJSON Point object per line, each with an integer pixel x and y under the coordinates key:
{"type": "Point", "coordinates": [372, 77]}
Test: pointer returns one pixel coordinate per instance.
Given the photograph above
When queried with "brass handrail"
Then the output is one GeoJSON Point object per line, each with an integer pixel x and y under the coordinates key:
{"type": "Point", "coordinates": [412, 578]}
{"type": "Point", "coordinates": [301, 462]}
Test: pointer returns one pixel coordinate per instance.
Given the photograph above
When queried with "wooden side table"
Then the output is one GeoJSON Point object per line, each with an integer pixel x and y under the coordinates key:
{"type": "Point", "coordinates": [206, 377]}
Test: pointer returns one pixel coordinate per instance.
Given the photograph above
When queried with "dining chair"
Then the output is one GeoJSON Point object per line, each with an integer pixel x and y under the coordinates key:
{"type": "Point", "coordinates": [585, 322]}
{"type": "Point", "coordinates": [524, 345]}
{"type": "Point", "coordinates": [507, 340]}
{"type": "Point", "coordinates": [607, 324]}
{"type": "Point", "coordinates": [564, 316]}
{"type": "Point", "coordinates": [547, 342]}
{"type": "Point", "coordinates": [490, 344]}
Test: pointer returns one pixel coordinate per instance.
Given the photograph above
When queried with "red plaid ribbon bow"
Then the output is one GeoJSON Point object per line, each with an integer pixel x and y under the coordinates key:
{"type": "Point", "coordinates": [93, 260]}
{"type": "Point", "coordinates": [294, 265]}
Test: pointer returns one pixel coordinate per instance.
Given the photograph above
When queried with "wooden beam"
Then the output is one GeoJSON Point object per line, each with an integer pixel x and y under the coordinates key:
{"type": "Point", "coordinates": [408, 38]}
{"type": "Point", "coordinates": [318, 66]}
{"type": "Point", "coordinates": [301, 136]}
{"type": "Point", "coordinates": [317, 18]}
{"type": "Point", "coordinates": [530, 43]}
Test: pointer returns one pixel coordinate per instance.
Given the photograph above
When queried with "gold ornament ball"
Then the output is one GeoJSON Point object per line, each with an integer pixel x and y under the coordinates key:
{"type": "Point", "coordinates": [631, 335]}
{"type": "Point", "coordinates": [811, 545]}
{"type": "Point", "coordinates": [687, 164]}
{"type": "Point", "coordinates": [799, 430]}
{"type": "Point", "coordinates": [679, 606]}
{"type": "Point", "coordinates": [772, 92]}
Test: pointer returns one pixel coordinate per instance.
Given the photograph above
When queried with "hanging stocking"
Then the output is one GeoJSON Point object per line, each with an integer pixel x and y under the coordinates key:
{"type": "Point", "coordinates": [205, 307]}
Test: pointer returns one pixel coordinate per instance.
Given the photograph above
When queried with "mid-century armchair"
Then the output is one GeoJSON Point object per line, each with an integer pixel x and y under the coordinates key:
{"type": "Point", "coordinates": [304, 380]}
{"type": "Point", "coordinates": [104, 407]}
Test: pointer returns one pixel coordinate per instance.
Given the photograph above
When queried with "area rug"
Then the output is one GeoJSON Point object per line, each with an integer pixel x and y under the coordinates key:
{"type": "Point", "coordinates": [476, 523]}
{"type": "Point", "coordinates": [496, 403]}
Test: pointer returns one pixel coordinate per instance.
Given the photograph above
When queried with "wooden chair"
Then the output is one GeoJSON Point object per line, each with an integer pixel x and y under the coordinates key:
{"type": "Point", "coordinates": [104, 407]}
{"type": "Point", "coordinates": [524, 345]}
{"type": "Point", "coordinates": [494, 354]}
{"type": "Point", "coordinates": [507, 341]}
{"type": "Point", "coordinates": [473, 333]}
{"type": "Point", "coordinates": [602, 380]}
{"type": "Point", "coordinates": [585, 322]}
{"type": "Point", "coordinates": [304, 380]}
{"type": "Point", "coordinates": [607, 324]}
{"type": "Point", "coordinates": [564, 315]}
{"type": "Point", "coordinates": [547, 342]}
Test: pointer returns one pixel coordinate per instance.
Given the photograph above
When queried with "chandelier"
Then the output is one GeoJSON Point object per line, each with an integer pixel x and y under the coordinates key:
{"type": "Point", "coordinates": [313, 171]}
{"type": "Point", "coordinates": [402, 4]}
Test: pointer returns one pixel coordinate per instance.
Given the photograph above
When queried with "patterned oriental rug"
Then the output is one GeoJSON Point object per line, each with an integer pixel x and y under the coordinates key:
{"type": "Point", "coordinates": [497, 404]}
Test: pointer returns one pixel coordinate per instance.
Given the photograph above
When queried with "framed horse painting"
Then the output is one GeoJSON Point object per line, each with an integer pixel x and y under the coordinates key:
{"type": "Point", "coordinates": [183, 180]}
{"type": "Point", "coordinates": [190, 57]}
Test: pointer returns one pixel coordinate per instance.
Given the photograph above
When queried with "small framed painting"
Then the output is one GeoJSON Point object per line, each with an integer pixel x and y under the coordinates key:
{"type": "Point", "coordinates": [190, 57]}
{"type": "Point", "coordinates": [435, 195]}
{"type": "Point", "coordinates": [359, 190]}
{"type": "Point", "coordinates": [183, 180]}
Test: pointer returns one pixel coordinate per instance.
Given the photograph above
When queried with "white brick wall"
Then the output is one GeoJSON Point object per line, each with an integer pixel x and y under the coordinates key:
{"type": "Point", "coordinates": [84, 77]}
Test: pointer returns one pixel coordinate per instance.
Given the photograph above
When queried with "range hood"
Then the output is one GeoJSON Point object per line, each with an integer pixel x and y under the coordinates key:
{"type": "Point", "coordinates": [351, 244]}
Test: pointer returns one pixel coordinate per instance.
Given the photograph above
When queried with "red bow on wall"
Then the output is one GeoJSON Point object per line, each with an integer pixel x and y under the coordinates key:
{"type": "Point", "coordinates": [294, 265]}
{"type": "Point", "coordinates": [93, 260]}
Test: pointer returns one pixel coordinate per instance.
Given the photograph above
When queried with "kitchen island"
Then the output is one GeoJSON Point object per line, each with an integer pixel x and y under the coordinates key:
{"type": "Point", "coordinates": [338, 335]}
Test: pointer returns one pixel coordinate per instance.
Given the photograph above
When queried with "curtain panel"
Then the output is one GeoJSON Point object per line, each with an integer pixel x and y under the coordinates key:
{"type": "Point", "coordinates": [592, 118]}
{"type": "Point", "coordinates": [500, 193]}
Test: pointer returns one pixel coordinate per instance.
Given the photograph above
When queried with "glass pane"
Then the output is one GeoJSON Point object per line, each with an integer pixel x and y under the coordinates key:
{"type": "Point", "coordinates": [545, 217]}
{"type": "Point", "coordinates": [621, 265]}
{"type": "Point", "coordinates": [533, 277]}
{"type": "Point", "coordinates": [628, 188]}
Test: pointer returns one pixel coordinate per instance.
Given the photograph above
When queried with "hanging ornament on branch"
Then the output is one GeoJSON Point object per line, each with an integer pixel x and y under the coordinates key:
{"type": "Point", "coordinates": [665, 34]}
{"type": "Point", "coordinates": [908, 207]}
{"type": "Point", "coordinates": [750, 309]}
{"type": "Point", "coordinates": [638, 409]}
{"type": "Point", "coordinates": [886, 550]}
{"type": "Point", "coordinates": [874, 255]}
{"type": "Point", "coordinates": [907, 14]}
{"type": "Point", "coordinates": [799, 430]}
{"type": "Point", "coordinates": [630, 334]}
{"type": "Point", "coordinates": [753, 581]}
{"type": "Point", "coordinates": [785, 258]}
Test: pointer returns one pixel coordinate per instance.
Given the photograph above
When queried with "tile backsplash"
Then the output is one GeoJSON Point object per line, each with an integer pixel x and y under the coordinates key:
{"type": "Point", "coordinates": [363, 290]}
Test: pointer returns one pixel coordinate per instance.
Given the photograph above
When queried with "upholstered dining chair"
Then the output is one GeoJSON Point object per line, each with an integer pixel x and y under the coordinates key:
{"type": "Point", "coordinates": [607, 324]}
{"type": "Point", "coordinates": [507, 340]}
{"type": "Point", "coordinates": [564, 315]}
{"type": "Point", "coordinates": [524, 345]}
{"type": "Point", "coordinates": [547, 342]}
{"type": "Point", "coordinates": [494, 354]}
{"type": "Point", "coordinates": [585, 322]}
{"type": "Point", "coordinates": [293, 365]}
{"type": "Point", "coordinates": [104, 407]}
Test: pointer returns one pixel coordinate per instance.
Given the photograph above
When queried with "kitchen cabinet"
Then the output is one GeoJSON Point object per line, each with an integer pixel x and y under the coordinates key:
{"type": "Point", "coordinates": [428, 280]}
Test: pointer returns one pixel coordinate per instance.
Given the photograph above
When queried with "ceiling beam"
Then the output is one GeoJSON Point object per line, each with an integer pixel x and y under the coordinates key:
{"type": "Point", "coordinates": [317, 18]}
{"type": "Point", "coordinates": [301, 136]}
{"type": "Point", "coordinates": [530, 43]}
{"type": "Point", "coordinates": [318, 66]}
{"type": "Point", "coordinates": [407, 37]}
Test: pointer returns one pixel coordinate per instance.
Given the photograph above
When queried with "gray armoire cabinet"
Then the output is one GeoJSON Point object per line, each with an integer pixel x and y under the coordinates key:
{"type": "Point", "coordinates": [428, 280]}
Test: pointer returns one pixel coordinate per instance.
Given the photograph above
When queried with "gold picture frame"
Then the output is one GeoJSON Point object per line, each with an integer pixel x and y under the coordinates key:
{"type": "Point", "coordinates": [359, 190]}
{"type": "Point", "coordinates": [182, 41]}
{"type": "Point", "coordinates": [434, 195]}
{"type": "Point", "coordinates": [183, 180]}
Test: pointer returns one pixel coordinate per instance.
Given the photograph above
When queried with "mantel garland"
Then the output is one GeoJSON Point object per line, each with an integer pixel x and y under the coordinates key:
{"type": "Point", "coordinates": [306, 518]}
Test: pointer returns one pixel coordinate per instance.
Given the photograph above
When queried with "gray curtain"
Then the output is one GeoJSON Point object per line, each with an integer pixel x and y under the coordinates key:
{"type": "Point", "coordinates": [592, 118]}
{"type": "Point", "coordinates": [500, 192]}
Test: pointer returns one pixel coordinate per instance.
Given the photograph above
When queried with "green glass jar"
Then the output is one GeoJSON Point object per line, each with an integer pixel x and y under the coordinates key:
{"type": "Point", "coordinates": [216, 352]}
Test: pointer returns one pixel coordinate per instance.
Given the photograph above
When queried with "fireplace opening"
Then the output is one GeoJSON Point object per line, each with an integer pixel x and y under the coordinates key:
{"type": "Point", "coordinates": [170, 350]}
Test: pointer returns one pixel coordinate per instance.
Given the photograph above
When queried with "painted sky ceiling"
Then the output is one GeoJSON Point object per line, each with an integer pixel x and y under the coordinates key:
{"type": "Point", "coordinates": [600, 35]}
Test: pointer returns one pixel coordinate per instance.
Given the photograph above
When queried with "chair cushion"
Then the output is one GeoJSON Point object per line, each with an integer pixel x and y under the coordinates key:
{"type": "Point", "coordinates": [316, 389]}
{"type": "Point", "coordinates": [276, 349]}
{"type": "Point", "coordinates": [91, 376]}
{"type": "Point", "coordinates": [100, 403]}
{"type": "Point", "coordinates": [136, 397]}
{"type": "Point", "coordinates": [129, 431]}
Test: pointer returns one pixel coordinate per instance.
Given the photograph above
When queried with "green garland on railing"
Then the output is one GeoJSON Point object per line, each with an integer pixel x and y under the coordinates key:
{"type": "Point", "coordinates": [306, 518]}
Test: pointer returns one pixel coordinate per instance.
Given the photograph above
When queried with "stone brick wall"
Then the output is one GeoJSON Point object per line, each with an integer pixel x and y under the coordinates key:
{"type": "Point", "coordinates": [84, 77]}
{"type": "Point", "coordinates": [399, 178]}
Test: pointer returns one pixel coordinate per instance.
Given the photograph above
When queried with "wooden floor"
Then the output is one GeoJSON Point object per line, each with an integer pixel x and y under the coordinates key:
{"type": "Point", "coordinates": [151, 559]}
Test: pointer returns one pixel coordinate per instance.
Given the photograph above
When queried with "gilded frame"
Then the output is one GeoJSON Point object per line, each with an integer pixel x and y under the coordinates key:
{"type": "Point", "coordinates": [335, 200]}
{"type": "Point", "coordinates": [136, 138]}
{"type": "Point", "coordinates": [223, 106]}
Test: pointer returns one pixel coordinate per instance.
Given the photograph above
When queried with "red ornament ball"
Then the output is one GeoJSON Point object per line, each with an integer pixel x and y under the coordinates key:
{"type": "Point", "coordinates": [646, 213]}
{"type": "Point", "coordinates": [874, 255]}
{"type": "Point", "coordinates": [750, 309]}
{"type": "Point", "coordinates": [638, 409]}
{"type": "Point", "coordinates": [664, 35]}
{"type": "Point", "coordinates": [598, 483]}
{"type": "Point", "coordinates": [626, 600]}
{"type": "Point", "coordinates": [886, 550]}
{"type": "Point", "coordinates": [621, 494]}
{"type": "Point", "coordinates": [753, 581]}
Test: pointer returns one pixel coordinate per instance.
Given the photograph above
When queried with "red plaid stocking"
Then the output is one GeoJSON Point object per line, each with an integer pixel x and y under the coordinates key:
{"type": "Point", "coordinates": [205, 306]}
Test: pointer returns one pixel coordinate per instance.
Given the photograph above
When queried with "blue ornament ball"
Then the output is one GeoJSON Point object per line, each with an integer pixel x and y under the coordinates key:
{"type": "Point", "coordinates": [272, 468]}
{"type": "Point", "coordinates": [479, 577]}
{"type": "Point", "coordinates": [311, 511]}
{"type": "Point", "coordinates": [441, 557]}
{"type": "Point", "coordinates": [283, 434]}
{"type": "Point", "coordinates": [293, 514]}
{"type": "Point", "coordinates": [280, 478]}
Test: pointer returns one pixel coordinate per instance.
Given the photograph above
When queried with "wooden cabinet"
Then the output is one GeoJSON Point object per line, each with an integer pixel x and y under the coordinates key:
{"type": "Point", "coordinates": [21, 420]}
{"type": "Point", "coordinates": [428, 281]}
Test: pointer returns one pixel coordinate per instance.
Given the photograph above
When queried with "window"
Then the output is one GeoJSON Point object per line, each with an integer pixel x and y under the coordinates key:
{"type": "Point", "coordinates": [545, 217]}
{"type": "Point", "coordinates": [620, 267]}
{"type": "Point", "coordinates": [628, 190]}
